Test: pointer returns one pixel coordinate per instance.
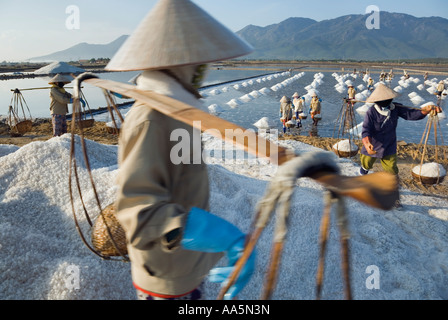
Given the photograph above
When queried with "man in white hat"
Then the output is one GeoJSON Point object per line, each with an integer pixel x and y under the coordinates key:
{"type": "Point", "coordinates": [379, 136]}
{"type": "Point", "coordinates": [59, 100]}
{"type": "Point", "coordinates": [173, 241]}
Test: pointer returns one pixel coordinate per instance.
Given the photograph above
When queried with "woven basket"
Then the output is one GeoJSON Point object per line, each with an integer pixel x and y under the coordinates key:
{"type": "Point", "coordinates": [427, 180]}
{"type": "Point", "coordinates": [303, 117]}
{"type": "Point", "coordinates": [22, 127]}
{"type": "Point", "coordinates": [86, 123]}
{"type": "Point", "coordinates": [345, 154]}
{"type": "Point", "coordinates": [111, 130]}
{"type": "Point", "coordinates": [101, 240]}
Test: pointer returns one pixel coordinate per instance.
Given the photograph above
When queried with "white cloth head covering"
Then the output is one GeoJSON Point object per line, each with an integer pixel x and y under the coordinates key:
{"type": "Point", "coordinates": [382, 93]}
{"type": "Point", "coordinates": [177, 33]}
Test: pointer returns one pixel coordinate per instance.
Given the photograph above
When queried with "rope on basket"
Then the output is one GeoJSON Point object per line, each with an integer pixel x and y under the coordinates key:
{"type": "Point", "coordinates": [74, 172]}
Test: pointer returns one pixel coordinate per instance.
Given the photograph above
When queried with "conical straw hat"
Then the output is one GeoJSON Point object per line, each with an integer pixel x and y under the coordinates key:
{"type": "Point", "coordinates": [59, 78]}
{"type": "Point", "coordinates": [381, 93]}
{"type": "Point", "coordinates": [177, 33]}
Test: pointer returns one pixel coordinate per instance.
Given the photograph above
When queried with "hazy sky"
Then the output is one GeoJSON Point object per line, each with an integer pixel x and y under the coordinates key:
{"type": "Point", "coordinates": [30, 28]}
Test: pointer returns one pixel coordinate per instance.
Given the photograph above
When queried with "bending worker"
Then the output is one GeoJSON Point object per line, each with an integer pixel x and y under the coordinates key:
{"type": "Point", "coordinates": [174, 242]}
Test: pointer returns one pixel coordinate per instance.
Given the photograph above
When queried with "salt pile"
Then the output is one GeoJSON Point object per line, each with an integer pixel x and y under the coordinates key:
{"type": "Point", "coordinates": [59, 67]}
{"type": "Point", "coordinates": [345, 146]}
{"type": "Point", "coordinates": [234, 103]}
{"type": "Point", "coordinates": [363, 109]}
{"type": "Point", "coordinates": [215, 109]}
{"type": "Point", "coordinates": [246, 98]}
{"type": "Point", "coordinates": [430, 170]}
{"type": "Point", "coordinates": [264, 123]}
{"type": "Point", "coordinates": [39, 245]}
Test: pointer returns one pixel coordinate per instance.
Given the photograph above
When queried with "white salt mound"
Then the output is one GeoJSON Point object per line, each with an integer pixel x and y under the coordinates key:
{"type": "Point", "coordinates": [430, 170]}
{"type": "Point", "coordinates": [246, 98]}
{"type": "Point", "coordinates": [233, 103]}
{"type": "Point", "coordinates": [345, 146]}
{"type": "Point", "coordinates": [39, 244]}
{"type": "Point", "coordinates": [215, 109]}
{"type": "Point", "coordinates": [264, 123]}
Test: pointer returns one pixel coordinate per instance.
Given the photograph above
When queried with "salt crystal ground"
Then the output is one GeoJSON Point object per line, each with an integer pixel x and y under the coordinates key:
{"type": "Point", "coordinates": [39, 244]}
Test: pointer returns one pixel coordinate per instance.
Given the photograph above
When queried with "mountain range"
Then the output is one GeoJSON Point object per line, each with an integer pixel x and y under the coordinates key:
{"type": "Point", "coordinates": [84, 51]}
{"type": "Point", "coordinates": [400, 36]}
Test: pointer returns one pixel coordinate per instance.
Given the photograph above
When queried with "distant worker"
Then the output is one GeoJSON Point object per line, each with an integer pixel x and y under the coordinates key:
{"type": "Point", "coordinates": [426, 76]}
{"type": "Point", "coordinates": [299, 106]}
{"type": "Point", "coordinates": [370, 84]}
{"type": "Point", "coordinates": [315, 109]}
{"type": "Point", "coordinates": [406, 75]}
{"type": "Point", "coordinates": [351, 91]}
{"type": "Point", "coordinates": [59, 100]}
{"type": "Point", "coordinates": [440, 88]}
{"type": "Point", "coordinates": [285, 111]}
{"type": "Point", "coordinates": [351, 94]}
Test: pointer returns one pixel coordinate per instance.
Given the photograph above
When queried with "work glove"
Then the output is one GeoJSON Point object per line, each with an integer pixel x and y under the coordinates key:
{"type": "Point", "coordinates": [209, 233]}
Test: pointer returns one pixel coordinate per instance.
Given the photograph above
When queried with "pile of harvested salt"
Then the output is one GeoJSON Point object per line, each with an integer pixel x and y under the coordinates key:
{"type": "Point", "coordinates": [264, 123]}
{"type": "Point", "coordinates": [345, 146]}
{"type": "Point", "coordinates": [430, 170]}
{"type": "Point", "coordinates": [215, 109]}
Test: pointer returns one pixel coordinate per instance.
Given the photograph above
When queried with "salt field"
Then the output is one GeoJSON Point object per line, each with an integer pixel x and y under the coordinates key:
{"type": "Point", "coordinates": [250, 95]}
{"type": "Point", "coordinates": [394, 255]}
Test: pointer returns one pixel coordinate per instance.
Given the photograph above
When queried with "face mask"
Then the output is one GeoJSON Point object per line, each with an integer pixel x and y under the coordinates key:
{"type": "Point", "coordinates": [199, 76]}
{"type": "Point", "coordinates": [384, 105]}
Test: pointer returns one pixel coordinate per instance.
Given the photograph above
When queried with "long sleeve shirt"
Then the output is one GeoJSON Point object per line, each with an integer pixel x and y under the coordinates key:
{"type": "Point", "coordinates": [381, 129]}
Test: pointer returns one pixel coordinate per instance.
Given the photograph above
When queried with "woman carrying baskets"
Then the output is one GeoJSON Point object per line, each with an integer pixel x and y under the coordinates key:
{"type": "Point", "coordinates": [299, 107]}
{"type": "Point", "coordinates": [163, 203]}
{"type": "Point", "coordinates": [379, 129]}
{"type": "Point", "coordinates": [59, 100]}
{"type": "Point", "coordinates": [315, 109]}
{"type": "Point", "coordinates": [285, 112]}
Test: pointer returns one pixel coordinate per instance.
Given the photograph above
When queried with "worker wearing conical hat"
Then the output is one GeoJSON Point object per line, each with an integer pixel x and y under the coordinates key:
{"type": "Point", "coordinates": [379, 136]}
{"type": "Point", "coordinates": [351, 91]}
{"type": "Point", "coordinates": [299, 107]}
{"type": "Point", "coordinates": [59, 100]}
{"type": "Point", "coordinates": [315, 108]}
{"type": "Point", "coordinates": [370, 84]}
{"type": "Point", "coordinates": [440, 88]}
{"type": "Point", "coordinates": [163, 189]}
{"type": "Point", "coordinates": [285, 111]}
